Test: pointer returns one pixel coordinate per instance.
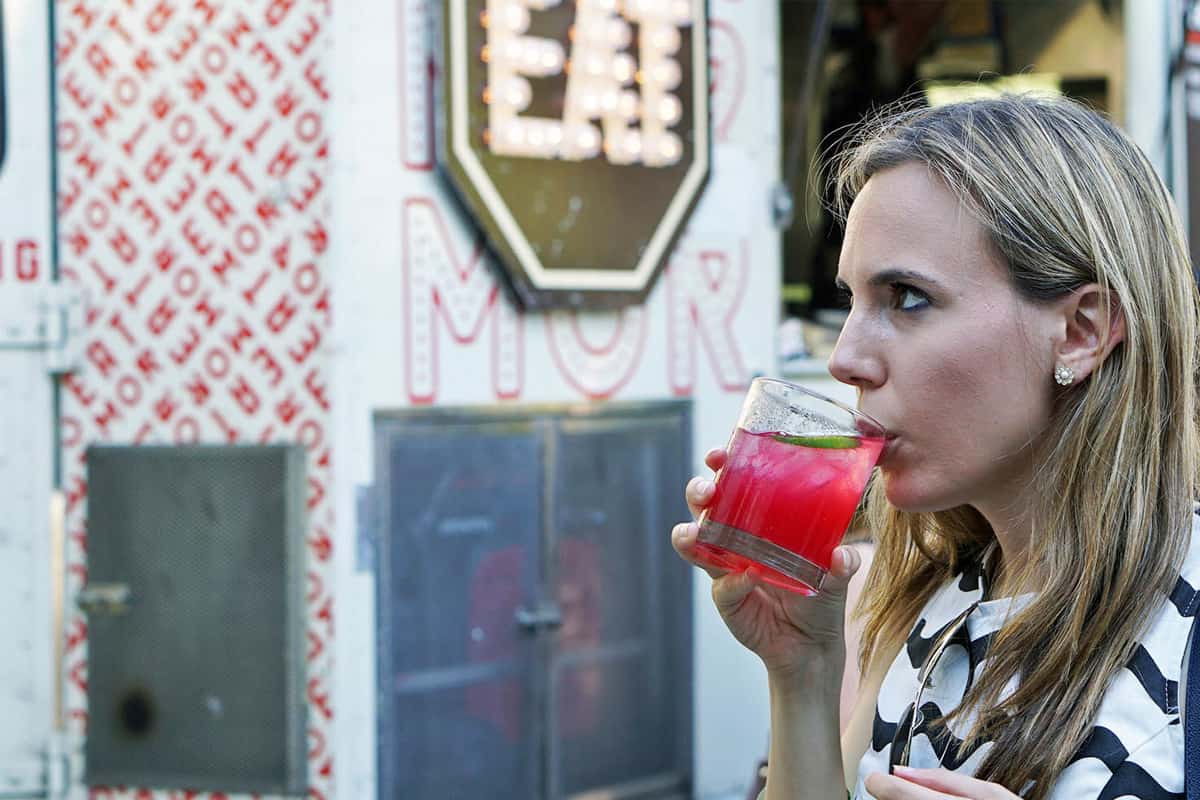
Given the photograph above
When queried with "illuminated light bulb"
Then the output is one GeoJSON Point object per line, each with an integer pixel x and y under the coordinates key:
{"type": "Point", "coordinates": [571, 34]}
{"type": "Point", "coordinates": [516, 18]}
{"type": "Point", "coordinates": [619, 34]}
{"type": "Point", "coordinates": [514, 133]}
{"type": "Point", "coordinates": [552, 58]}
{"type": "Point", "coordinates": [583, 136]}
{"type": "Point", "coordinates": [623, 149]}
{"type": "Point", "coordinates": [591, 103]}
{"type": "Point", "coordinates": [665, 39]}
{"type": "Point", "coordinates": [627, 106]}
{"type": "Point", "coordinates": [485, 54]}
{"type": "Point", "coordinates": [681, 11]}
{"type": "Point", "coordinates": [604, 6]}
{"type": "Point", "coordinates": [555, 135]}
{"type": "Point", "coordinates": [487, 95]}
{"type": "Point", "coordinates": [537, 137]}
{"type": "Point", "coordinates": [595, 65]}
{"type": "Point", "coordinates": [666, 74]}
{"type": "Point", "coordinates": [487, 137]}
{"type": "Point", "coordinates": [670, 109]}
{"type": "Point", "coordinates": [483, 19]}
{"type": "Point", "coordinates": [511, 51]}
{"type": "Point", "coordinates": [518, 93]}
{"type": "Point", "coordinates": [609, 100]}
{"type": "Point", "coordinates": [669, 147]}
{"type": "Point", "coordinates": [637, 8]}
{"type": "Point", "coordinates": [580, 141]}
{"type": "Point", "coordinates": [623, 68]}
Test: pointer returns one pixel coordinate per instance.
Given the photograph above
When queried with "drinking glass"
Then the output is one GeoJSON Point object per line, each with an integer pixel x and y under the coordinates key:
{"type": "Point", "coordinates": [798, 464]}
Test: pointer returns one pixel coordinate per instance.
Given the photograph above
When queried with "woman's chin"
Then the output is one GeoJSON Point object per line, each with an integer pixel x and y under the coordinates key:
{"type": "Point", "coordinates": [906, 494]}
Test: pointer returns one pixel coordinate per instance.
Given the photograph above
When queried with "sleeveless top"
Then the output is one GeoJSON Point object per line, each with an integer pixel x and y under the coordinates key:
{"type": "Point", "coordinates": [1135, 748]}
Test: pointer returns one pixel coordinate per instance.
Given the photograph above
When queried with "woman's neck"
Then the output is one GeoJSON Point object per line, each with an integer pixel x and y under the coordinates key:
{"type": "Point", "coordinates": [1012, 524]}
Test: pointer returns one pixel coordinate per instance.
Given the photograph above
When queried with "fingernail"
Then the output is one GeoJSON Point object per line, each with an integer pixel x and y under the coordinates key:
{"type": "Point", "coordinates": [704, 487]}
{"type": "Point", "coordinates": [902, 770]}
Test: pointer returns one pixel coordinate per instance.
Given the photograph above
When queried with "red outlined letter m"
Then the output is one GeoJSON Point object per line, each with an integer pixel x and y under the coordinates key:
{"type": "Point", "coordinates": [461, 293]}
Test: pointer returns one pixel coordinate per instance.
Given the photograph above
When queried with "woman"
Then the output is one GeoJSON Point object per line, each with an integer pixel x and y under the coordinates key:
{"type": "Point", "coordinates": [1023, 320]}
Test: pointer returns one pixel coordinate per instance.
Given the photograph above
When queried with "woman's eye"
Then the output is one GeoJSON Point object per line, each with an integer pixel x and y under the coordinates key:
{"type": "Point", "coordinates": [909, 299]}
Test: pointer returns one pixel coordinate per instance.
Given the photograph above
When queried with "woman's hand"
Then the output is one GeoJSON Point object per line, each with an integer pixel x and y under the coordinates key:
{"type": "Point", "coordinates": [933, 784]}
{"type": "Point", "coordinates": [782, 627]}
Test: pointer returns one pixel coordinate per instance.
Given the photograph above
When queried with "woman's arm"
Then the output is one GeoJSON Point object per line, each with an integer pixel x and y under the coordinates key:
{"type": "Point", "coordinates": [806, 755]}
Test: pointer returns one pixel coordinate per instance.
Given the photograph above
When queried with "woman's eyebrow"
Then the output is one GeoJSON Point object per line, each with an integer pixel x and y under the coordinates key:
{"type": "Point", "coordinates": [892, 275]}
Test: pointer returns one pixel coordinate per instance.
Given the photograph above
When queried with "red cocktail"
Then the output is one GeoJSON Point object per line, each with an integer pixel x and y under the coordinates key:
{"type": "Point", "coordinates": [786, 495]}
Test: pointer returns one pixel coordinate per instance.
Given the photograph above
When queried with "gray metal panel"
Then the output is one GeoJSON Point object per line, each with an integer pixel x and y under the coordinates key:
{"type": "Point", "coordinates": [200, 684]}
{"type": "Point", "coordinates": [458, 557]}
{"type": "Point", "coordinates": [620, 675]}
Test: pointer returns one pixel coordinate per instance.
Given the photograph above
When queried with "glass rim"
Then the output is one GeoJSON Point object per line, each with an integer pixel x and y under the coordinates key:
{"type": "Point", "coordinates": [853, 412]}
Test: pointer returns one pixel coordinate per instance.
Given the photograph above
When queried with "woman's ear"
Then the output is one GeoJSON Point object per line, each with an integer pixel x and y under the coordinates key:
{"type": "Point", "coordinates": [1095, 324]}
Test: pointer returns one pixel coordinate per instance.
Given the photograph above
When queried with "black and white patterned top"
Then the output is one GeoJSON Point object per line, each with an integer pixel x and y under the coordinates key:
{"type": "Point", "coordinates": [1136, 746]}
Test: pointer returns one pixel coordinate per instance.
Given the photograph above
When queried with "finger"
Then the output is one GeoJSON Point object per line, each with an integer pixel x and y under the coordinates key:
{"type": "Point", "coordinates": [944, 780]}
{"type": "Point", "coordinates": [891, 787]}
{"type": "Point", "coordinates": [683, 539]}
{"type": "Point", "coordinates": [699, 493]}
{"type": "Point", "coordinates": [716, 458]}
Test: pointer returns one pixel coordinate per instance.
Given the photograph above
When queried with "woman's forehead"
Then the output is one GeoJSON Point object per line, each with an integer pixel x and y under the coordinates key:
{"type": "Point", "coordinates": [905, 218]}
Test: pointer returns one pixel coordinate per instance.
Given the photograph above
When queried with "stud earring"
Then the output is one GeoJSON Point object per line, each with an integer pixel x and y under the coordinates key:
{"type": "Point", "coordinates": [1064, 375]}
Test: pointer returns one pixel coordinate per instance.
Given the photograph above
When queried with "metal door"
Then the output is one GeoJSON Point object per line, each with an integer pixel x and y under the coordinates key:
{"type": "Point", "coordinates": [534, 636]}
{"type": "Point", "coordinates": [195, 600]}
{"type": "Point", "coordinates": [458, 601]}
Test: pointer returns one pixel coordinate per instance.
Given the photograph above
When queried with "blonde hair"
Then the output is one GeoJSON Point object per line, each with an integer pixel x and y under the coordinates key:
{"type": "Point", "coordinates": [1066, 199]}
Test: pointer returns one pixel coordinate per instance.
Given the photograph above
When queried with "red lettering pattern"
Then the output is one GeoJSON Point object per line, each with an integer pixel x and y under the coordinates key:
{"type": "Point", "coordinates": [193, 208]}
{"type": "Point", "coordinates": [727, 61]}
{"type": "Point", "coordinates": [706, 284]}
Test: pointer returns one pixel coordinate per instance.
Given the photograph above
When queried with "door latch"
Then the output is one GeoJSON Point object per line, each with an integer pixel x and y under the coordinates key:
{"type": "Point", "coordinates": [112, 599]}
{"type": "Point", "coordinates": [547, 616]}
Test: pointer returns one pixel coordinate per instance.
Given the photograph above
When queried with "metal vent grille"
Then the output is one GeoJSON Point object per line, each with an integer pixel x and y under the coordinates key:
{"type": "Point", "coordinates": [195, 604]}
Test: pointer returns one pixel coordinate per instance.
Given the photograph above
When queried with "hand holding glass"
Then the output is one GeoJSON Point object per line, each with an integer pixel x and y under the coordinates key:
{"type": "Point", "coordinates": [797, 467]}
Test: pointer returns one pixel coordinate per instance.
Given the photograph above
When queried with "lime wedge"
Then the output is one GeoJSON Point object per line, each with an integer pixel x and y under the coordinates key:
{"type": "Point", "coordinates": [827, 442]}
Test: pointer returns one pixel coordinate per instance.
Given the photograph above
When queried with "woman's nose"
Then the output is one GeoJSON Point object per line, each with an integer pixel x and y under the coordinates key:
{"type": "Point", "coordinates": [854, 360]}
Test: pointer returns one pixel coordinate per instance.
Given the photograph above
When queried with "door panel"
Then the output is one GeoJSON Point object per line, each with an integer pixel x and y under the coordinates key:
{"type": "Point", "coordinates": [615, 486]}
{"type": "Point", "coordinates": [198, 681]}
{"type": "Point", "coordinates": [460, 560]}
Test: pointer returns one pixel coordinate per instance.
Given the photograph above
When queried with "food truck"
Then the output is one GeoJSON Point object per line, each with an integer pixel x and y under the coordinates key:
{"type": "Point", "coordinates": [353, 359]}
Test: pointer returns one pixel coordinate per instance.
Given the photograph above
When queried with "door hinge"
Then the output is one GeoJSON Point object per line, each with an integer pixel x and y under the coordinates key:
{"type": "Point", "coordinates": [49, 318]}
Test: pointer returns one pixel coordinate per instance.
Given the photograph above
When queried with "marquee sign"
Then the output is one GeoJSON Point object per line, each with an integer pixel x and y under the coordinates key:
{"type": "Point", "coordinates": [577, 134]}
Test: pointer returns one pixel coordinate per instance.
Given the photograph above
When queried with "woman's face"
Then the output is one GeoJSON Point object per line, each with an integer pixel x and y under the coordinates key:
{"type": "Point", "coordinates": [943, 350]}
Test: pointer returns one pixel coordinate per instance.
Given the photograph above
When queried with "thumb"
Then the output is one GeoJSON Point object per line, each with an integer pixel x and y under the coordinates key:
{"type": "Point", "coordinates": [844, 564]}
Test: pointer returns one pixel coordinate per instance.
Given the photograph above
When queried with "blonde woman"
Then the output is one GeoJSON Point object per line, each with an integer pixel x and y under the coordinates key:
{"type": "Point", "coordinates": [1023, 320]}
